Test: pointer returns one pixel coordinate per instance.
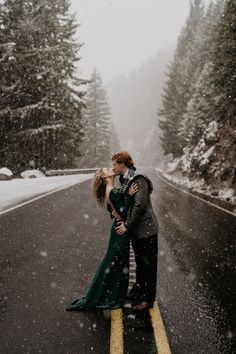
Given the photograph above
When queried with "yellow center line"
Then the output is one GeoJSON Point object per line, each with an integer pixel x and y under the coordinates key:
{"type": "Point", "coordinates": [159, 331]}
{"type": "Point", "coordinates": [117, 329]}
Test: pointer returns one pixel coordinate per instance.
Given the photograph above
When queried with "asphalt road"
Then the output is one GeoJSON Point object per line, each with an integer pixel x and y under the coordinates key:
{"type": "Point", "coordinates": [196, 274]}
{"type": "Point", "coordinates": [49, 252]}
{"type": "Point", "coordinates": [50, 249]}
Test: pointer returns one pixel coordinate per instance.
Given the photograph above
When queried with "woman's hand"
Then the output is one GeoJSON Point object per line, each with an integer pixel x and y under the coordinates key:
{"type": "Point", "coordinates": [116, 215]}
{"type": "Point", "coordinates": [133, 189]}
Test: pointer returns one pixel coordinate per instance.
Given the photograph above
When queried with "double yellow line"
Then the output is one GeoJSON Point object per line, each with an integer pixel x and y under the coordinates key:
{"type": "Point", "coordinates": [159, 331]}
{"type": "Point", "coordinates": [117, 330]}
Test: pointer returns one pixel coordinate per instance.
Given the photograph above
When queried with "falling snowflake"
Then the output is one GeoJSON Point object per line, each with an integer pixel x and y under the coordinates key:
{"type": "Point", "coordinates": [229, 334]}
{"type": "Point", "coordinates": [125, 270]}
{"type": "Point", "coordinates": [43, 254]}
{"type": "Point", "coordinates": [170, 269]}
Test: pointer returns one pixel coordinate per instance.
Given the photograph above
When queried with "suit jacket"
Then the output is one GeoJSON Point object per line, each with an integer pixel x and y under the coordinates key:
{"type": "Point", "coordinates": [141, 219]}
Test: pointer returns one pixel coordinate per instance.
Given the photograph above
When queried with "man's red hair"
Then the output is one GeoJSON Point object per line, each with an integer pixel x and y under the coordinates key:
{"type": "Point", "coordinates": [123, 157]}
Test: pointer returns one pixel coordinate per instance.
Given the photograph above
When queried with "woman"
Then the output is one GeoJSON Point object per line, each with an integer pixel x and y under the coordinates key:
{"type": "Point", "coordinates": [109, 286]}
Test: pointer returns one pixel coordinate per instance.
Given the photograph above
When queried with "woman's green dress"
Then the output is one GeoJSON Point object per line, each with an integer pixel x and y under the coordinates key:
{"type": "Point", "coordinates": [110, 283]}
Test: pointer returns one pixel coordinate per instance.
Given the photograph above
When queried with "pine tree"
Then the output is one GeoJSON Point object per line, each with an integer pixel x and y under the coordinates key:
{"type": "Point", "coordinates": [96, 147]}
{"type": "Point", "coordinates": [168, 119]}
{"type": "Point", "coordinates": [224, 68]}
{"type": "Point", "coordinates": [40, 102]}
{"type": "Point", "coordinates": [197, 116]}
{"type": "Point", "coordinates": [211, 111]}
{"type": "Point", "coordinates": [182, 73]}
{"type": "Point", "coordinates": [222, 165]}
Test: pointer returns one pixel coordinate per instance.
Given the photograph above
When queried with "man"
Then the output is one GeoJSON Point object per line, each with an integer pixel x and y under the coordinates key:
{"type": "Point", "coordinates": [143, 226]}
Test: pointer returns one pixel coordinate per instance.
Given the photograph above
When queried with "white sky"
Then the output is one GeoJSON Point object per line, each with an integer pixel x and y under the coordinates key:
{"type": "Point", "coordinates": [119, 35]}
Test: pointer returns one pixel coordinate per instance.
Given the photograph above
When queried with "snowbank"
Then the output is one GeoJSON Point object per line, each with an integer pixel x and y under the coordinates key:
{"type": "Point", "coordinates": [18, 190]}
{"type": "Point", "coordinates": [5, 173]}
{"type": "Point", "coordinates": [31, 174]}
{"type": "Point", "coordinates": [225, 194]}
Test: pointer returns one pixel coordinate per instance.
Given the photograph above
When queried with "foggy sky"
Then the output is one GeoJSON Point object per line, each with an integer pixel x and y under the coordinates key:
{"type": "Point", "coordinates": [119, 35]}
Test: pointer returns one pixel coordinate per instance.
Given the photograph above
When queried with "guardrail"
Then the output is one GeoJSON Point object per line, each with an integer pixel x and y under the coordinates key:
{"type": "Point", "coordinates": [73, 171]}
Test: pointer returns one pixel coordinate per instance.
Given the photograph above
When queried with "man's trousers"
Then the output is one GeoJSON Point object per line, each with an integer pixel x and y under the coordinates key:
{"type": "Point", "coordinates": [145, 251]}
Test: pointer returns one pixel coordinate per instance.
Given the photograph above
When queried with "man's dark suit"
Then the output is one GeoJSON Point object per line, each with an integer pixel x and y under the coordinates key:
{"type": "Point", "coordinates": [142, 223]}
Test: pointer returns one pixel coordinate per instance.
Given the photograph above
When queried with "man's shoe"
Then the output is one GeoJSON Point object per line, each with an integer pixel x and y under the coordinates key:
{"type": "Point", "coordinates": [143, 306]}
{"type": "Point", "coordinates": [134, 303]}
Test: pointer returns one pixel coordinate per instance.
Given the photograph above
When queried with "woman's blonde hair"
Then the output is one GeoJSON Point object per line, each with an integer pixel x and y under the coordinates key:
{"type": "Point", "coordinates": [99, 186]}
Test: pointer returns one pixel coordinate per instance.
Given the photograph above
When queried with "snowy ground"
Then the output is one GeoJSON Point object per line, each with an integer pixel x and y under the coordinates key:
{"type": "Point", "coordinates": [16, 191]}
{"type": "Point", "coordinates": [226, 194]}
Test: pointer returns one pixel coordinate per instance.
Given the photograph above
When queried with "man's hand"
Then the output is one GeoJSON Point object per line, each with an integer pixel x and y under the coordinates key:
{"type": "Point", "coordinates": [121, 229]}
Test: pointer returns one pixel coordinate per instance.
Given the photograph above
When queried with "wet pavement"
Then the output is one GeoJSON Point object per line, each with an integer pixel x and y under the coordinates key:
{"type": "Point", "coordinates": [50, 250]}
{"type": "Point", "coordinates": [196, 274]}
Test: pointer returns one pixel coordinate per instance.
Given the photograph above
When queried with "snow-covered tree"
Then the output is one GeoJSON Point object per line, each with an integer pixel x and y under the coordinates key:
{"type": "Point", "coordinates": [182, 73]}
{"type": "Point", "coordinates": [210, 122]}
{"type": "Point", "coordinates": [224, 68]}
{"type": "Point", "coordinates": [96, 147]}
{"type": "Point", "coordinates": [198, 113]}
{"type": "Point", "coordinates": [222, 166]}
{"type": "Point", "coordinates": [40, 101]}
{"type": "Point", "coordinates": [168, 119]}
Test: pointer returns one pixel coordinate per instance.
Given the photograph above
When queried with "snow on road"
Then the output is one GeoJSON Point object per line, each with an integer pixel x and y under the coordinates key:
{"type": "Point", "coordinates": [16, 191]}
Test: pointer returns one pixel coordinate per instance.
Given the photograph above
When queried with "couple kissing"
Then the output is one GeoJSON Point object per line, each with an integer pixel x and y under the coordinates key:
{"type": "Point", "coordinates": [135, 221]}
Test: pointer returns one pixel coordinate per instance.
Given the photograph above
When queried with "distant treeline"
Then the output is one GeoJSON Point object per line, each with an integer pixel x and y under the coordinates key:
{"type": "Point", "coordinates": [198, 114]}
{"type": "Point", "coordinates": [134, 100]}
{"type": "Point", "coordinates": [41, 96]}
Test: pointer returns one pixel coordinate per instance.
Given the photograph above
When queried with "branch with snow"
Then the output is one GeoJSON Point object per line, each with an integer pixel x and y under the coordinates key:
{"type": "Point", "coordinates": [9, 88]}
{"type": "Point", "coordinates": [40, 130]}
{"type": "Point", "coordinates": [22, 112]}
